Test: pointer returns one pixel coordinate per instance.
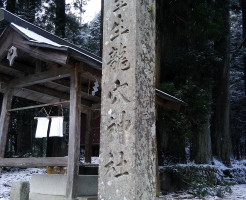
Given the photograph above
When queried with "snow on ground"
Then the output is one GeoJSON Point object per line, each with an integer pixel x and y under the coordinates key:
{"type": "Point", "coordinates": [94, 160]}
{"type": "Point", "coordinates": [238, 192]}
{"type": "Point", "coordinates": [10, 175]}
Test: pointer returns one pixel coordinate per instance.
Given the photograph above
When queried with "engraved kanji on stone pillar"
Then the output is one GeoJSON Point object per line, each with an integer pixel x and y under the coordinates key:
{"type": "Point", "coordinates": [127, 166]}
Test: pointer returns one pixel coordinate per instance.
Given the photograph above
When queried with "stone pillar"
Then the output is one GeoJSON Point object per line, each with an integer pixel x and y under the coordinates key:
{"type": "Point", "coordinates": [127, 168]}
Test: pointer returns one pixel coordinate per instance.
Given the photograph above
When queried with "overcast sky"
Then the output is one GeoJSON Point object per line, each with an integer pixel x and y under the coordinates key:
{"type": "Point", "coordinates": [92, 8]}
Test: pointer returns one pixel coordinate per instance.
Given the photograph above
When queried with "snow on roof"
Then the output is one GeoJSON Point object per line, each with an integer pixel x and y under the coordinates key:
{"type": "Point", "coordinates": [34, 37]}
{"type": "Point", "coordinates": [39, 37]}
{"type": "Point", "coordinates": [39, 40]}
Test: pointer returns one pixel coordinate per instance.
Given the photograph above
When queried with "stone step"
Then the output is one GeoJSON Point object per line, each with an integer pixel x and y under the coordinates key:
{"type": "Point", "coordinates": [55, 197]}
{"type": "Point", "coordinates": [34, 196]}
{"type": "Point", "coordinates": [87, 198]}
{"type": "Point", "coordinates": [55, 184]}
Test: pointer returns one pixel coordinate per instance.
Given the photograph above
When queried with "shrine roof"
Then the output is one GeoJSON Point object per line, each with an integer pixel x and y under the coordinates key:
{"type": "Point", "coordinates": [42, 38]}
{"type": "Point", "coordinates": [38, 37]}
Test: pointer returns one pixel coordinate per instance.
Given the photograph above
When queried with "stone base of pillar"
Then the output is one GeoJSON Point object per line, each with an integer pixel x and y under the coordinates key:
{"type": "Point", "coordinates": [19, 191]}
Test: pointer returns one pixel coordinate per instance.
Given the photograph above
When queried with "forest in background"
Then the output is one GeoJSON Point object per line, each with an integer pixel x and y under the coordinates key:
{"type": "Point", "coordinates": [201, 54]}
{"type": "Point", "coordinates": [201, 59]}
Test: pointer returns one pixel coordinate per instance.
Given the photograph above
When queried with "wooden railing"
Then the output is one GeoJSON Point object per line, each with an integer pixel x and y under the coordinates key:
{"type": "Point", "coordinates": [33, 162]}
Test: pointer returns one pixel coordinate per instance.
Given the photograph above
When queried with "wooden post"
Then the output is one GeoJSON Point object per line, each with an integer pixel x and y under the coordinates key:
{"type": "Point", "coordinates": [4, 121]}
{"type": "Point", "coordinates": [74, 133]}
{"type": "Point", "coordinates": [88, 137]}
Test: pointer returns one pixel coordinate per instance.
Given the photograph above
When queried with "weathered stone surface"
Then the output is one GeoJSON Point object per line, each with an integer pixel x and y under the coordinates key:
{"type": "Point", "coordinates": [48, 184]}
{"type": "Point", "coordinates": [34, 196]}
{"type": "Point", "coordinates": [127, 155]}
{"type": "Point", "coordinates": [55, 185]}
{"type": "Point", "coordinates": [19, 191]}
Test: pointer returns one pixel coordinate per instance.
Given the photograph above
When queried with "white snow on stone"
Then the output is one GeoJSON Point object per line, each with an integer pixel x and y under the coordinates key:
{"type": "Point", "coordinates": [35, 37]}
{"type": "Point", "coordinates": [7, 177]}
{"type": "Point", "coordinates": [94, 160]}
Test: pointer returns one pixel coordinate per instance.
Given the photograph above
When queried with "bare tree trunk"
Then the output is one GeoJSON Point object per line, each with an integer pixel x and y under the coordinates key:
{"type": "Point", "coordinates": [222, 137]}
{"type": "Point", "coordinates": [32, 7]}
{"type": "Point", "coordinates": [60, 18]}
{"type": "Point", "coordinates": [243, 6]}
{"type": "Point", "coordinates": [170, 43]}
{"type": "Point", "coordinates": [201, 152]}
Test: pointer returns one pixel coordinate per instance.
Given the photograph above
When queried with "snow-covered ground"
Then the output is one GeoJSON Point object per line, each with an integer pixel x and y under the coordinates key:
{"type": "Point", "coordinates": [238, 192]}
{"type": "Point", "coordinates": [13, 175]}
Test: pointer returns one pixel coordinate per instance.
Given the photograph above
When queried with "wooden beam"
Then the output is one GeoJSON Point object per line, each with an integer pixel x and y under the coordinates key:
{"type": "Point", "coordinates": [48, 91]}
{"type": "Point", "coordinates": [54, 93]}
{"type": "Point", "coordinates": [88, 137]}
{"type": "Point", "coordinates": [30, 94]}
{"type": "Point", "coordinates": [4, 120]}
{"type": "Point", "coordinates": [39, 106]}
{"type": "Point", "coordinates": [10, 71]}
{"type": "Point", "coordinates": [63, 84]}
{"type": "Point", "coordinates": [74, 134]}
{"type": "Point", "coordinates": [33, 162]}
{"type": "Point", "coordinates": [84, 90]}
{"type": "Point", "coordinates": [42, 77]}
{"type": "Point", "coordinates": [33, 95]}
{"type": "Point", "coordinates": [19, 68]}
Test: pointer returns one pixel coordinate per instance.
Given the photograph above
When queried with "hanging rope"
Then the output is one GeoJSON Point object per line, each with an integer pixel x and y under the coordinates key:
{"type": "Point", "coordinates": [47, 115]}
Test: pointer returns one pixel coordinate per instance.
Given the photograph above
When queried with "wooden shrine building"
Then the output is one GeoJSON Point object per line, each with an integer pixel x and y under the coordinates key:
{"type": "Point", "coordinates": [36, 65]}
